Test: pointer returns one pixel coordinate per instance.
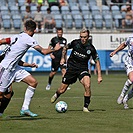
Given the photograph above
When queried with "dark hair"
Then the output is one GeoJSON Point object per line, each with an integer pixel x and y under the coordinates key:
{"type": "Point", "coordinates": [30, 25]}
{"type": "Point", "coordinates": [48, 9]}
{"type": "Point", "coordinates": [59, 28]}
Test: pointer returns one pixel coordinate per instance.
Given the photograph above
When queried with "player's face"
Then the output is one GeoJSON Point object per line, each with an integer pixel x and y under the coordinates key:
{"type": "Point", "coordinates": [84, 37]}
{"type": "Point", "coordinates": [59, 33]}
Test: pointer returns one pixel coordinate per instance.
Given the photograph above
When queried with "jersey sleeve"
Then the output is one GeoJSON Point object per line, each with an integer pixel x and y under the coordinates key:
{"type": "Point", "coordinates": [71, 44]}
{"type": "Point", "coordinates": [94, 54]}
{"type": "Point", "coordinates": [13, 39]}
{"type": "Point", "coordinates": [32, 42]}
{"type": "Point", "coordinates": [127, 41]}
{"type": "Point", "coordinates": [53, 42]}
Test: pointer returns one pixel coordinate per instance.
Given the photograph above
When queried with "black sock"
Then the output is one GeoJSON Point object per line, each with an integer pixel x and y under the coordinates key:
{"type": "Point", "coordinates": [58, 94]}
{"type": "Point", "coordinates": [4, 103]}
{"type": "Point", "coordinates": [50, 80]}
{"type": "Point", "coordinates": [86, 101]}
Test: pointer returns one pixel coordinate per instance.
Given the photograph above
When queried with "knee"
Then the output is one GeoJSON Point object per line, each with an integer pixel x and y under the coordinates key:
{"type": "Point", "coordinates": [33, 83]}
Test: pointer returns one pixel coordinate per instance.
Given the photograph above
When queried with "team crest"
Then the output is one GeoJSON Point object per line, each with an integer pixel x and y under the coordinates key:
{"type": "Point", "coordinates": [88, 51]}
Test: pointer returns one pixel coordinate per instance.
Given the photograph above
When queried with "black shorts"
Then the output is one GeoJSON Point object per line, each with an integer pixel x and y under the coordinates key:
{"type": "Point", "coordinates": [71, 76]}
{"type": "Point", "coordinates": [56, 65]}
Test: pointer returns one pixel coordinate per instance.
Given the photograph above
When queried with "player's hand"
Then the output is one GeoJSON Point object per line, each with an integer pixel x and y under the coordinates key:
{"type": "Point", "coordinates": [34, 65]}
{"type": "Point", "coordinates": [62, 61]}
{"type": "Point", "coordinates": [57, 46]}
{"type": "Point", "coordinates": [99, 79]}
{"type": "Point", "coordinates": [112, 54]}
{"type": "Point", "coordinates": [52, 56]}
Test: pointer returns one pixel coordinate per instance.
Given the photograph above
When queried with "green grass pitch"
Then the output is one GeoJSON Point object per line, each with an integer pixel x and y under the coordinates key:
{"type": "Point", "coordinates": [106, 115]}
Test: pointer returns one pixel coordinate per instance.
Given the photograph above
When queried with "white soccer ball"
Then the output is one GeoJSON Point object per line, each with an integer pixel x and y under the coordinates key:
{"type": "Point", "coordinates": [61, 107]}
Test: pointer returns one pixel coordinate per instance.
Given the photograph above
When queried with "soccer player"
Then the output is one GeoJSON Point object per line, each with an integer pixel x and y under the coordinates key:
{"type": "Point", "coordinates": [56, 56]}
{"type": "Point", "coordinates": [77, 67]}
{"type": "Point", "coordinates": [124, 97]}
{"type": "Point", "coordinates": [10, 71]}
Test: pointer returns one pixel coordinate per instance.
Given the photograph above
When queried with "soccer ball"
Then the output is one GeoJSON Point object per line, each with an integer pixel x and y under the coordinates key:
{"type": "Point", "coordinates": [61, 107]}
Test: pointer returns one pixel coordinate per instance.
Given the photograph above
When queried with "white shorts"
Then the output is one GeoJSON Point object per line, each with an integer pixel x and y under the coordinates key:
{"type": "Point", "coordinates": [129, 68]}
{"type": "Point", "coordinates": [8, 76]}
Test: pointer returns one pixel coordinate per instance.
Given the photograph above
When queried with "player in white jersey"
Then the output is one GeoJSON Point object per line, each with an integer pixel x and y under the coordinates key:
{"type": "Point", "coordinates": [10, 70]}
{"type": "Point", "coordinates": [123, 98]}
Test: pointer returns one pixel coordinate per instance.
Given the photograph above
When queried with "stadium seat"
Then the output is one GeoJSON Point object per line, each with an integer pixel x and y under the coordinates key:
{"type": "Point", "coordinates": [98, 21]}
{"type": "Point", "coordinates": [58, 20]}
{"type": "Point", "coordinates": [84, 8]}
{"type": "Point", "coordinates": [17, 21]}
{"type": "Point", "coordinates": [68, 21]}
{"type": "Point", "coordinates": [88, 21]}
{"type": "Point", "coordinates": [33, 9]}
{"type": "Point", "coordinates": [95, 10]}
{"type": "Point", "coordinates": [65, 10]}
{"type": "Point", "coordinates": [44, 9]}
{"type": "Point", "coordinates": [23, 9]}
{"type": "Point", "coordinates": [74, 9]}
{"type": "Point", "coordinates": [6, 19]}
{"type": "Point", "coordinates": [108, 21]}
{"type": "Point", "coordinates": [55, 10]}
{"type": "Point", "coordinates": [14, 10]}
{"type": "Point", "coordinates": [78, 20]}
{"type": "Point", "coordinates": [4, 10]}
{"type": "Point", "coordinates": [21, 3]}
{"type": "Point", "coordinates": [117, 20]}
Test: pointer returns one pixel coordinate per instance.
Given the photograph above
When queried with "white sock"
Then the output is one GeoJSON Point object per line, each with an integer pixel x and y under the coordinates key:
{"type": "Point", "coordinates": [126, 87]}
{"type": "Point", "coordinates": [28, 96]}
{"type": "Point", "coordinates": [130, 94]}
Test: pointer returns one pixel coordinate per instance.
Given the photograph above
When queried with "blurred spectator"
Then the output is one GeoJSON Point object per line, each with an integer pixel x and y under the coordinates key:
{"type": "Point", "coordinates": [117, 2]}
{"type": "Point", "coordinates": [40, 2]}
{"type": "Point", "coordinates": [49, 21]}
{"type": "Point", "coordinates": [62, 3]}
{"type": "Point", "coordinates": [53, 3]}
{"type": "Point", "coordinates": [128, 21]}
{"type": "Point", "coordinates": [30, 2]}
{"type": "Point", "coordinates": [38, 18]}
{"type": "Point", "coordinates": [27, 14]}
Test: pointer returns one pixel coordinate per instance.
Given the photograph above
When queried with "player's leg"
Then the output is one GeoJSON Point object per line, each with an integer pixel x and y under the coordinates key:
{"type": "Point", "coordinates": [127, 84]}
{"type": "Point", "coordinates": [85, 81]}
{"type": "Point", "coordinates": [51, 76]}
{"type": "Point", "coordinates": [63, 71]}
{"type": "Point", "coordinates": [31, 81]}
{"type": "Point", "coordinates": [69, 78]}
{"type": "Point", "coordinates": [60, 91]}
{"type": "Point", "coordinates": [54, 67]}
{"type": "Point", "coordinates": [130, 93]}
{"type": "Point", "coordinates": [5, 100]}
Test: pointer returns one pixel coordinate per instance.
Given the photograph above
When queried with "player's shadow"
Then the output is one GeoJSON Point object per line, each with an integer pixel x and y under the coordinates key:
{"type": "Point", "coordinates": [8, 118]}
{"type": "Point", "coordinates": [94, 110]}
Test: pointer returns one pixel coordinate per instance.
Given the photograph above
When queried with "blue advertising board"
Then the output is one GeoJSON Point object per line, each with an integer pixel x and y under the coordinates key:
{"type": "Point", "coordinates": [44, 62]}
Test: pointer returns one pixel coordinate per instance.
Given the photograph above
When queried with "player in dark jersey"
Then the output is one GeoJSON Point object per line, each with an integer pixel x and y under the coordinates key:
{"type": "Point", "coordinates": [77, 66]}
{"type": "Point", "coordinates": [56, 56]}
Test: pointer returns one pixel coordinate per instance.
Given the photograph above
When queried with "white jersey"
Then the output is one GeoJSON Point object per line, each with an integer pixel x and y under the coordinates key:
{"type": "Point", "coordinates": [19, 45]}
{"type": "Point", "coordinates": [129, 43]}
{"type": "Point", "coordinates": [129, 59]}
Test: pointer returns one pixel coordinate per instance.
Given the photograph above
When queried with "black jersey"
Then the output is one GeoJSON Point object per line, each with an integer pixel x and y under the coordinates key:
{"type": "Point", "coordinates": [81, 54]}
{"type": "Point", "coordinates": [62, 41]}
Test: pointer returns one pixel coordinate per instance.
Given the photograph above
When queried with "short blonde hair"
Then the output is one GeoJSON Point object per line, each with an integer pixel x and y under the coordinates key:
{"type": "Point", "coordinates": [85, 30]}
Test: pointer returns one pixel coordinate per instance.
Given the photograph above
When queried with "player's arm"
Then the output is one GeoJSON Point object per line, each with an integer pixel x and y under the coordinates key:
{"type": "Point", "coordinates": [121, 47]}
{"type": "Point", "coordinates": [25, 64]}
{"type": "Point", "coordinates": [98, 70]}
{"type": "Point", "coordinates": [47, 50]}
{"type": "Point", "coordinates": [64, 53]}
{"type": "Point", "coordinates": [5, 41]}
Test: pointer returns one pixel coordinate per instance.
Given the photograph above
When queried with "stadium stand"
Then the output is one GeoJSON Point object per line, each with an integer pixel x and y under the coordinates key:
{"type": "Point", "coordinates": [73, 16]}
